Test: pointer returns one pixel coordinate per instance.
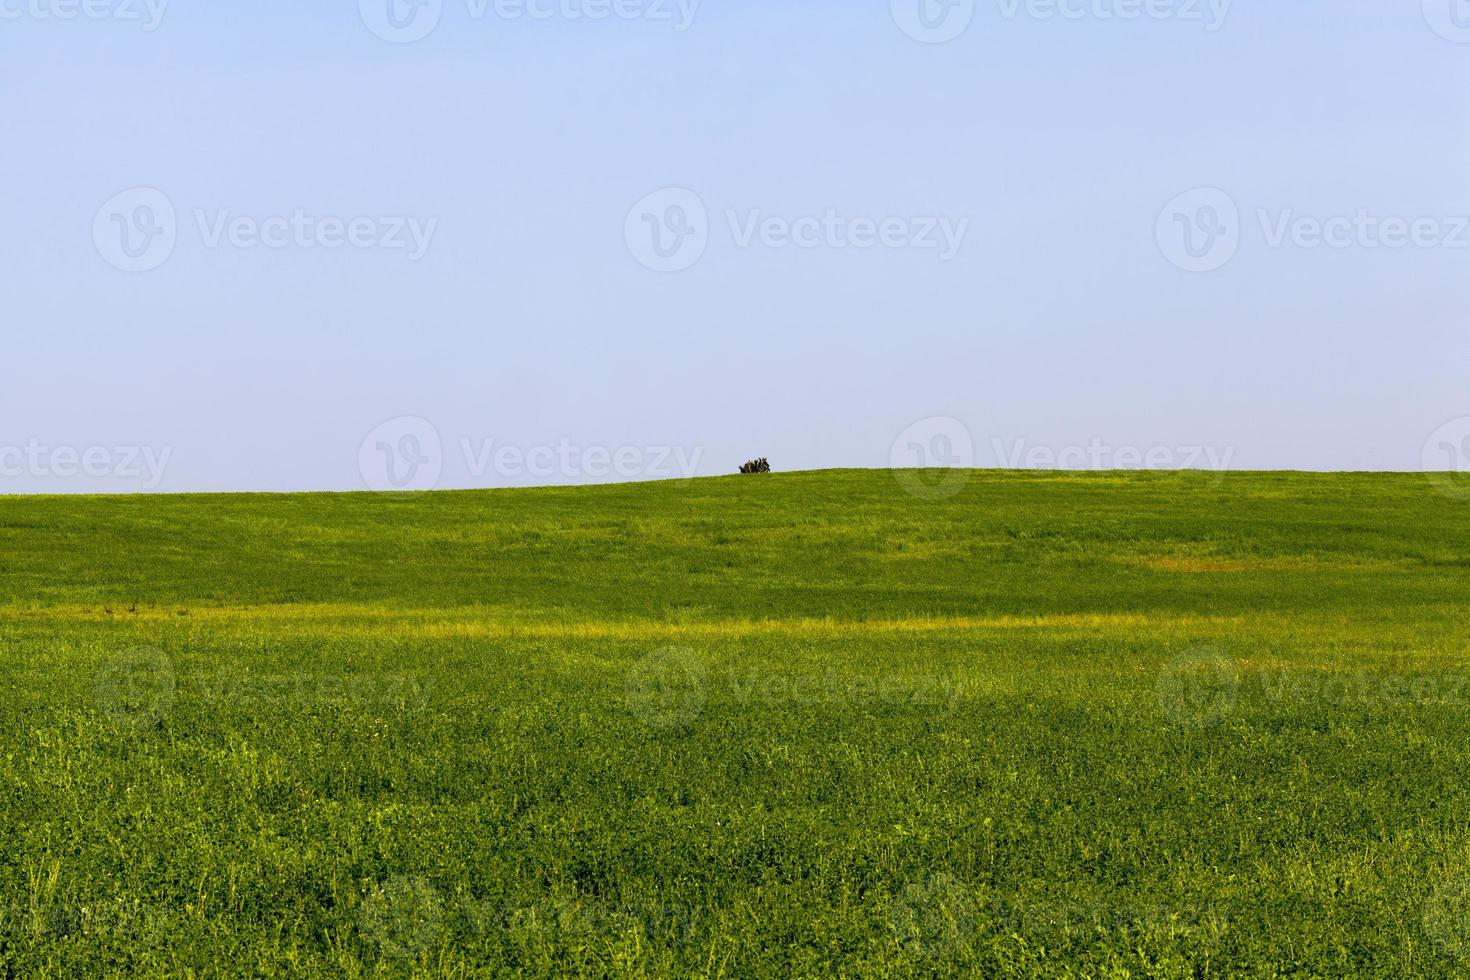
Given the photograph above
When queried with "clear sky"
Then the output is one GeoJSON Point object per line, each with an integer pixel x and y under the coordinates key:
{"type": "Point", "coordinates": [281, 245]}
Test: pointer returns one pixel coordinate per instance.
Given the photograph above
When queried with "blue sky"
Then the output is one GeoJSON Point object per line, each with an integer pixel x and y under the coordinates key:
{"type": "Point", "coordinates": [887, 243]}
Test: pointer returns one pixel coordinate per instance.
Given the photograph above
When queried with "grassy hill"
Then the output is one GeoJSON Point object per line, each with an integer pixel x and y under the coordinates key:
{"type": "Point", "coordinates": [806, 724]}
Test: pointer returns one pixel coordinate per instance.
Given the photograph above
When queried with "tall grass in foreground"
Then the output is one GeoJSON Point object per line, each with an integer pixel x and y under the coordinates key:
{"type": "Point", "coordinates": [806, 725]}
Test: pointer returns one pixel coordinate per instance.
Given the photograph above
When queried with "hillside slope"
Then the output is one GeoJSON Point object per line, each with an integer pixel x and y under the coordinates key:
{"type": "Point", "coordinates": [799, 724]}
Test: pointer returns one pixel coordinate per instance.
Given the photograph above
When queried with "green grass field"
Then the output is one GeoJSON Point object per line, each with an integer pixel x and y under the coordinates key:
{"type": "Point", "coordinates": [798, 725]}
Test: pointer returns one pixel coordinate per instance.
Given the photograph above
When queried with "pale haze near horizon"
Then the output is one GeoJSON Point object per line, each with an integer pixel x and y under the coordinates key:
{"type": "Point", "coordinates": [1059, 323]}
